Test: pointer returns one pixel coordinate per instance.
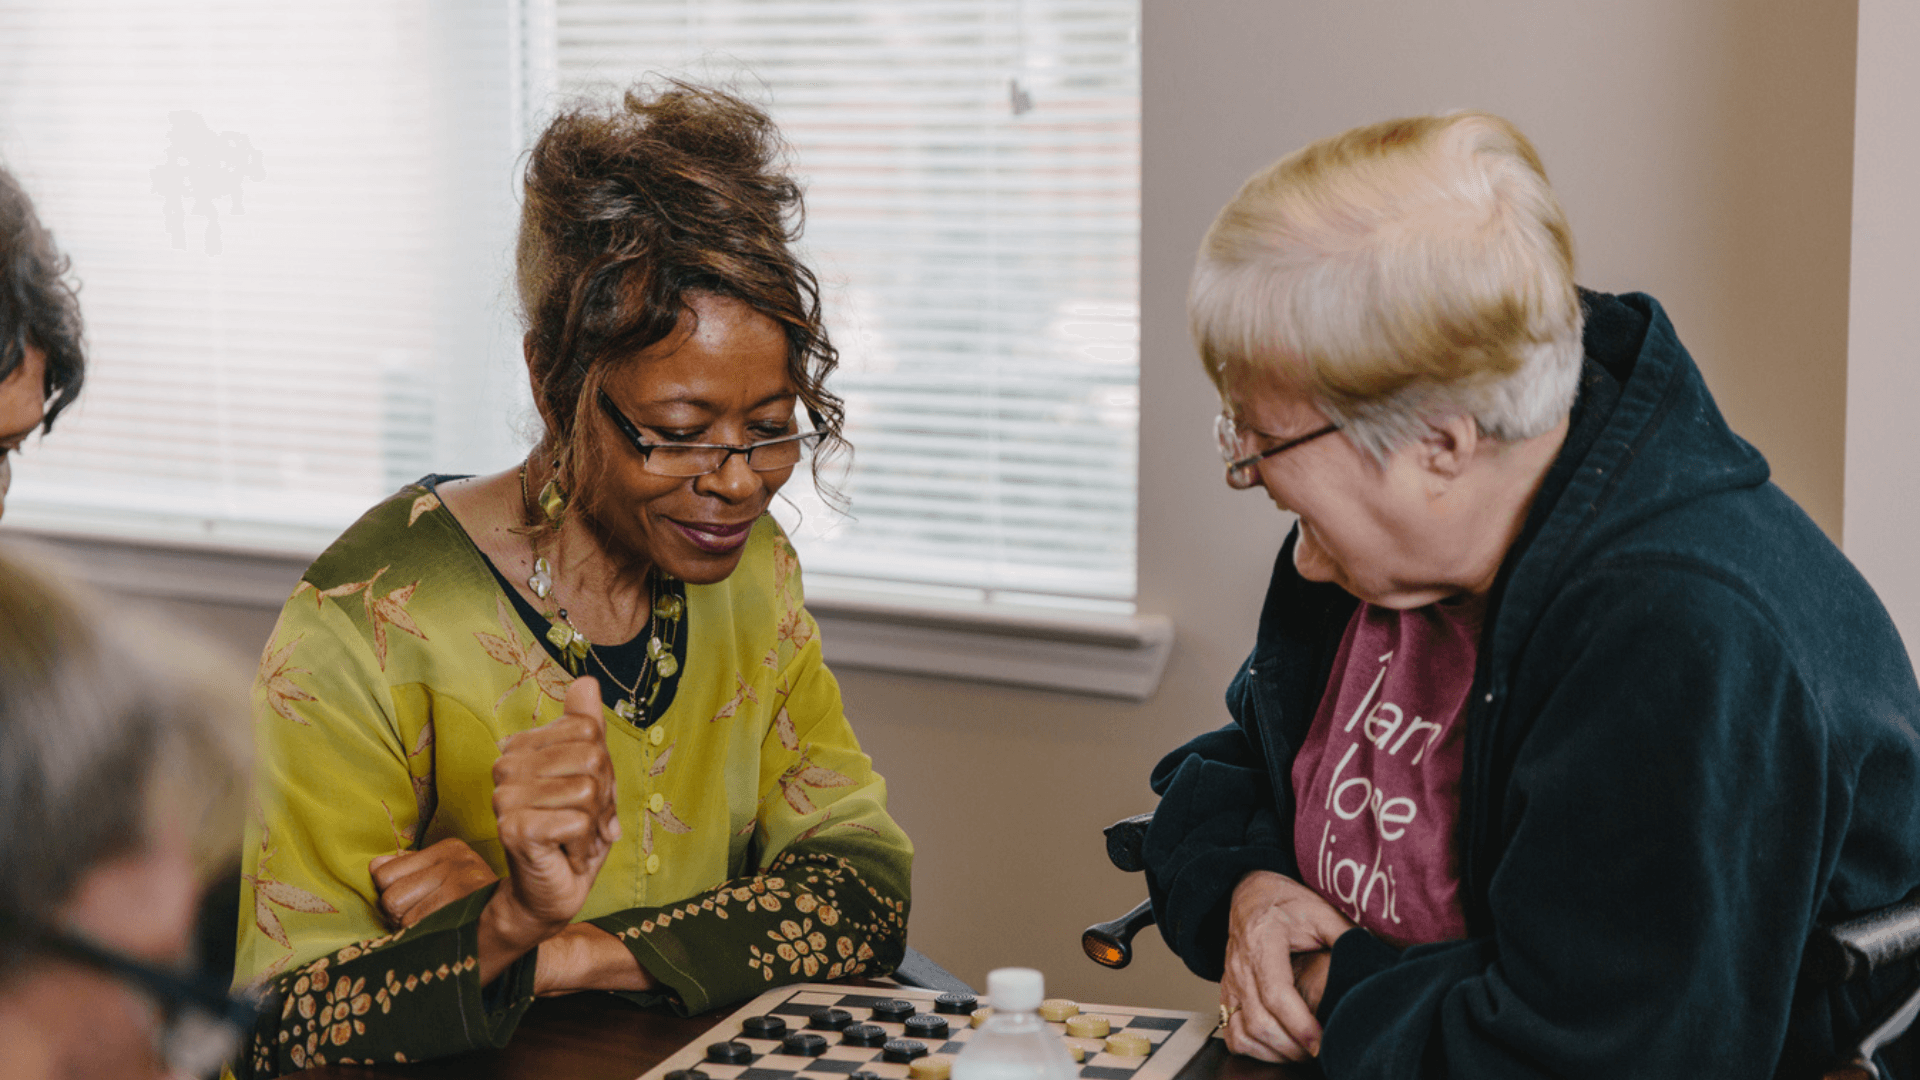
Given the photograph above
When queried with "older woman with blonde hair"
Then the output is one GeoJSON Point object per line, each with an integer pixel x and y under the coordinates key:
{"type": "Point", "coordinates": [1563, 725]}
{"type": "Point", "coordinates": [123, 757]}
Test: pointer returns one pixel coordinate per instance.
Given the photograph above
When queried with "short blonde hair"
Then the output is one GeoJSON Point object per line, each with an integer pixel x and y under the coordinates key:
{"type": "Point", "coordinates": [1407, 270]}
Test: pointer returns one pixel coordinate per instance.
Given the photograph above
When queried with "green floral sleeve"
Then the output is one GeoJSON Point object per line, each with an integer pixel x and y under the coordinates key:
{"type": "Point", "coordinates": [807, 916]}
{"type": "Point", "coordinates": [418, 988]}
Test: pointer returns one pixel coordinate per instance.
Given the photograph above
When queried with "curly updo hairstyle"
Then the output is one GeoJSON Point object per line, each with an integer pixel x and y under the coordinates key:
{"type": "Point", "coordinates": [631, 206]}
{"type": "Point", "coordinates": [38, 305]}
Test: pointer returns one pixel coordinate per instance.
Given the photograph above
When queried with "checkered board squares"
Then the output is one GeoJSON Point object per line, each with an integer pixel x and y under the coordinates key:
{"type": "Point", "coordinates": [1176, 1038]}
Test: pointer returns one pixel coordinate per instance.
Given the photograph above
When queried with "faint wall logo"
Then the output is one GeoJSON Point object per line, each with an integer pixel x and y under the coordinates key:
{"type": "Point", "coordinates": [202, 165]}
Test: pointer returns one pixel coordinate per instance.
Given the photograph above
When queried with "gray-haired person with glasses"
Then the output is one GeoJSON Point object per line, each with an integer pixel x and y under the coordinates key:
{"type": "Point", "coordinates": [1563, 725]}
{"type": "Point", "coordinates": [123, 761]}
{"type": "Point", "coordinates": [567, 727]}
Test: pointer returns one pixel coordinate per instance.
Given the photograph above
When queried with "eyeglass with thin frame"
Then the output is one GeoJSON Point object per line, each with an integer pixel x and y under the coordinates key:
{"type": "Point", "coordinates": [200, 1024]}
{"type": "Point", "coordinates": [1242, 471]}
{"type": "Point", "coordinates": [699, 459]}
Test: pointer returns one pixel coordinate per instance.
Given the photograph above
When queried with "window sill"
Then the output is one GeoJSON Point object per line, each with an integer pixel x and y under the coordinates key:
{"type": "Point", "coordinates": [1118, 656]}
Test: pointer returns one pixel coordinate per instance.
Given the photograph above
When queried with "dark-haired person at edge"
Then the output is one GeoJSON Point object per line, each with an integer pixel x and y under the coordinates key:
{"type": "Point", "coordinates": [567, 727]}
{"type": "Point", "coordinates": [1563, 726]}
{"type": "Point", "coordinates": [42, 363]}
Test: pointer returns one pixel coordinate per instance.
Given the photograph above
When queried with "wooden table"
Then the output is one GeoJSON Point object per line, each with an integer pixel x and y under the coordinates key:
{"type": "Point", "coordinates": [601, 1037]}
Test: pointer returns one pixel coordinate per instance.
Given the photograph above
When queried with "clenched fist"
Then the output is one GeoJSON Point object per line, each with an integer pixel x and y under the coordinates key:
{"type": "Point", "coordinates": [415, 884]}
{"type": "Point", "coordinates": [553, 795]}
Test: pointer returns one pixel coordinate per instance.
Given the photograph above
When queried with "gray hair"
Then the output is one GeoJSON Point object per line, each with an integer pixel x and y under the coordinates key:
{"type": "Point", "coordinates": [107, 725]}
{"type": "Point", "coordinates": [1400, 272]}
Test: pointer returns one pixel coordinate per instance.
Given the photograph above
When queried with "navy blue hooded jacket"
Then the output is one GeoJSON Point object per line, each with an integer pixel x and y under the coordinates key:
{"type": "Point", "coordinates": [1691, 737]}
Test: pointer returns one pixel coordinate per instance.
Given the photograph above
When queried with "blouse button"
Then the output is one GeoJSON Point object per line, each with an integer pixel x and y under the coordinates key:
{"type": "Point", "coordinates": [656, 734]}
{"type": "Point", "coordinates": [656, 803]}
{"type": "Point", "coordinates": [653, 864]}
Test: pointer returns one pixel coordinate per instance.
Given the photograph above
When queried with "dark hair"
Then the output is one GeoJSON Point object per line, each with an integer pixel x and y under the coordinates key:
{"type": "Point", "coordinates": [38, 305]}
{"type": "Point", "coordinates": [632, 206]}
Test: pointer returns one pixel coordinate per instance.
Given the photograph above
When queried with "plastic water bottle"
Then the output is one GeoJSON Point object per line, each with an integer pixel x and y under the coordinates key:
{"type": "Point", "coordinates": [1014, 1043]}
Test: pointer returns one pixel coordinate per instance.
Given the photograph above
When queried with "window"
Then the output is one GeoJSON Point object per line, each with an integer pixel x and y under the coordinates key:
{"type": "Point", "coordinates": [973, 204]}
{"type": "Point", "coordinates": [293, 225]}
{"type": "Point", "coordinates": [288, 221]}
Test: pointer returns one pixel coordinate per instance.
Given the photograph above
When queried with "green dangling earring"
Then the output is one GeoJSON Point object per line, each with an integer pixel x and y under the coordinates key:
{"type": "Point", "coordinates": [553, 497]}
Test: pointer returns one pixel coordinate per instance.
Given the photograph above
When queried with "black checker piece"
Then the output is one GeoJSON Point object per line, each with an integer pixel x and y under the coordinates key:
{"type": "Point", "coordinates": [956, 1003]}
{"type": "Point", "coordinates": [804, 1044]}
{"type": "Point", "coordinates": [865, 1075]}
{"type": "Point", "coordinates": [902, 1051]}
{"type": "Point", "coordinates": [763, 1027]}
{"type": "Point", "coordinates": [892, 1010]}
{"type": "Point", "coordinates": [927, 1026]}
{"type": "Point", "coordinates": [730, 1053]}
{"type": "Point", "coordinates": [688, 1074]}
{"type": "Point", "coordinates": [830, 1019]}
{"type": "Point", "coordinates": [864, 1035]}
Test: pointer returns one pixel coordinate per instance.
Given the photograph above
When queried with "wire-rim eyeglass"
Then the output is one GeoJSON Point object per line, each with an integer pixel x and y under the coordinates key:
{"type": "Point", "coordinates": [1242, 467]}
{"type": "Point", "coordinates": [201, 1024]}
{"type": "Point", "coordinates": [683, 460]}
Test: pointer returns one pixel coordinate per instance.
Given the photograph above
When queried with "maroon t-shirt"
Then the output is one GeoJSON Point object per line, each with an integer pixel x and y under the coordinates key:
{"type": "Point", "coordinates": [1376, 785]}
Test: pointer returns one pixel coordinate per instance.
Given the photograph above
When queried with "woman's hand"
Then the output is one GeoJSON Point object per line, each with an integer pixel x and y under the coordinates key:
{"type": "Point", "coordinates": [585, 957]}
{"type": "Point", "coordinates": [1277, 937]}
{"type": "Point", "coordinates": [553, 795]}
{"type": "Point", "coordinates": [1310, 975]}
{"type": "Point", "coordinates": [415, 884]}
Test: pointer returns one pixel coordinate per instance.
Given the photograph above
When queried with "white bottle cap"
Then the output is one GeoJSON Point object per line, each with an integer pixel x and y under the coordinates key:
{"type": "Point", "coordinates": [1015, 989]}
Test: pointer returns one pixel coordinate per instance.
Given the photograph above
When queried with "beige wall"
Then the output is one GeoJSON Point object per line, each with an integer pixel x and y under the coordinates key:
{"type": "Point", "coordinates": [1703, 150]}
{"type": "Point", "coordinates": [1883, 487]}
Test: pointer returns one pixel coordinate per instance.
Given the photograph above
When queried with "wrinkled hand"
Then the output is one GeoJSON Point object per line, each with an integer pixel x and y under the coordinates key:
{"type": "Point", "coordinates": [415, 884]}
{"type": "Point", "coordinates": [553, 795]}
{"type": "Point", "coordinates": [1277, 942]}
{"type": "Point", "coordinates": [585, 957]}
{"type": "Point", "coordinates": [1310, 975]}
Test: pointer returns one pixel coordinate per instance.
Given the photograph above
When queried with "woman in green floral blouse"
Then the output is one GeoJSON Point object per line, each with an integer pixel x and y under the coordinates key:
{"type": "Point", "coordinates": [567, 727]}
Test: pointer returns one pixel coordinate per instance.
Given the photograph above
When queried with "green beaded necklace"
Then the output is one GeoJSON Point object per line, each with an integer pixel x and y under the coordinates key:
{"type": "Point", "coordinates": [667, 615]}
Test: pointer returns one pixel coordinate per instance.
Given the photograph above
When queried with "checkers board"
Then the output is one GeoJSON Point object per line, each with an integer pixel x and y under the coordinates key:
{"type": "Point", "coordinates": [1175, 1037]}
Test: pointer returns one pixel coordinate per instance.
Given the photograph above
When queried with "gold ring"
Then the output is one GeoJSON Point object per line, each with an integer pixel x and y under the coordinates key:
{"type": "Point", "coordinates": [1226, 1012]}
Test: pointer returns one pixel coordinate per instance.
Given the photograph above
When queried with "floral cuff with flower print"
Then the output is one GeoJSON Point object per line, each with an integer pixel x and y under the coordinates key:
{"type": "Point", "coordinates": [807, 916]}
{"type": "Point", "coordinates": [409, 996]}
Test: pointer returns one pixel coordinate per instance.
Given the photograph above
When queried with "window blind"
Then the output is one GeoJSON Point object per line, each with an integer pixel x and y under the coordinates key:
{"type": "Point", "coordinates": [335, 317]}
{"type": "Point", "coordinates": [972, 176]}
{"type": "Point", "coordinates": [290, 222]}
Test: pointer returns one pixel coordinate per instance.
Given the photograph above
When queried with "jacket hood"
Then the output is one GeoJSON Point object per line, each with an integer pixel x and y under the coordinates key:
{"type": "Point", "coordinates": [1662, 444]}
